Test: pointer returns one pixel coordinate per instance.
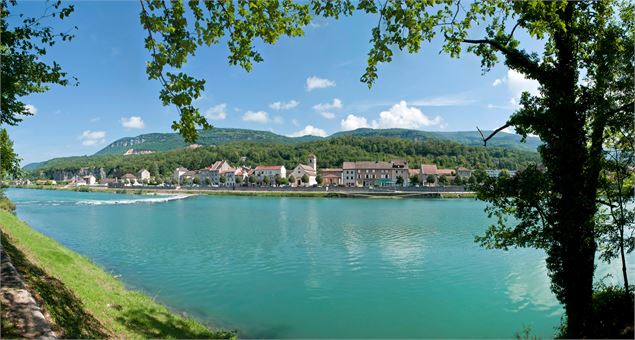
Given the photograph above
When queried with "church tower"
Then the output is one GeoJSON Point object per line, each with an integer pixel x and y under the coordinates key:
{"type": "Point", "coordinates": [313, 162]}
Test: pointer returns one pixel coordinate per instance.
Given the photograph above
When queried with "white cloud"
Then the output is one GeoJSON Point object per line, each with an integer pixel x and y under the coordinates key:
{"type": "Point", "coordinates": [284, 105]}
{"type": "Point", "coordinates": [260, 117]}
{"type": "Point", "coordinates": [31, 108]}
{"type": "Point", "coordinates": [95, 120]}
{"type": "Point", "coordinates": [217, 112]}
{"type": "Point", "coordinates": [295, 122]}
{"type": "Point", "coordinates": [499, 81]}
{"type": "Point", "coordinates": [398, 116]}
{"type": "Point", "coordinates": [318, 83]}
{"type": "Point", "coordinates": [451, 100]}
{"type": "Point", "coordinates": [310, 130]}
{"type": "Point", "coordinates": [327, 114]}
{"type": "Point", "coordinates": [353, 122]}
{"type": "Point", "coordinates": [133, 122]}
{"type": "Point", "coordinates": [403, 116]}
{"type": "Point", "coordinates": [90, 138]}
{"type": "Point", "coordinates": [517, 84]}
{"type": "Point", "coordinates": [336, 104]}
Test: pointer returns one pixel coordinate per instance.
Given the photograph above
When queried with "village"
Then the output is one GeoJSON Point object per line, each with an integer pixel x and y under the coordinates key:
{"type": "Point", "coordinates": [354, 174]}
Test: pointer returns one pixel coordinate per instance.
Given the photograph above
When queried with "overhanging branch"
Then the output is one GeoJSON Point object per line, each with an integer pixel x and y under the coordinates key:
{"type": "Point", "coordinates": [485, 139]}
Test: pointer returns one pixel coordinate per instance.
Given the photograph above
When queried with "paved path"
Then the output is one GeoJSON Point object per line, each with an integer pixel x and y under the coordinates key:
{"type": "Point", "coordinates": [18, 305]}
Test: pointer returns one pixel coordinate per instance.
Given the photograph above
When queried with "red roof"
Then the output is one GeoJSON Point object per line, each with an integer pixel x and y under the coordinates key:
{"type": "Point", "coordinates": [429, 169]}
{"type": "Point", "coordinates": [269, 167]}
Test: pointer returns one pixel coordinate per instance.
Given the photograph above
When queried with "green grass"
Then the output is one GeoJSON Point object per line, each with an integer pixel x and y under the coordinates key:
{"type": "Point", "coordinates": [83, 300]}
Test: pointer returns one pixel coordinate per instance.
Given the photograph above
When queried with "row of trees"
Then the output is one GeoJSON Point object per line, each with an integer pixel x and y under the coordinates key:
{"type": "Point", "coordinates": [332, 152]}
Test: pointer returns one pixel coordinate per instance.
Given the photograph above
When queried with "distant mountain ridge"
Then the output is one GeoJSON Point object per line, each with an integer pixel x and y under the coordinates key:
{"type": "Point", "coordinates": [219, 136]}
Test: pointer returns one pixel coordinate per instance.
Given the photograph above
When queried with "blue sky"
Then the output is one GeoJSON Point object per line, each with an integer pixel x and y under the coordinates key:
{"type": "Point", "coordinates": [306, 85]}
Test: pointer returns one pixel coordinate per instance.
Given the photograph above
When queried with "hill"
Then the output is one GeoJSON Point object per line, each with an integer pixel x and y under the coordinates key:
{"type": "Point", "coordinates": [473, 138]}
{"type": "Point", "coordinates": [215, 136]}
{"type": "Point", "coordinates": [331, 152]}
{"type": "Point", "coordinates": [220, 136]}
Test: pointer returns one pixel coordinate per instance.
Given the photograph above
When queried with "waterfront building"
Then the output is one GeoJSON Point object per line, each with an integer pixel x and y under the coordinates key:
{"type": "Point", "coordinates": [270, 172]}
{"type": "Point", "coordinates": [374, 173]}
{"type": "Point", "coordinates": [143, 175]}
{"type": "Point", "coordinates": [309, 170]}
{"type": "Point", "coordinates": [331, 176]}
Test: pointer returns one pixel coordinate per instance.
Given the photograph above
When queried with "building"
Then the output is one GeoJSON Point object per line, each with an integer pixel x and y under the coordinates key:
{"type": "Point", "coordinates": [137, 152]}
{"type": "Point", "coordinates": [230, 177]}
{"type": "Point", "coordinates": [214, 171]}
{"type": "Point", "coordinates": [302, 170]}
{"type": "Point", "coordinates": [270, 172]}
{"type": "Point", "coordinates": [90, 180]}
{"type": "Point", "coordinates": [178, 172]}
{"type": "Point", "coordinates": [374, 173]}
{"type": "Point", "coordinates": [496, 173]}
{"type": "Point", "coordinates": [463, 172]}
{"type": "Point", "coordinates": [331, 176]}
{"type": "Point", "coordinates": [414, 173]}
{"type": "Point", "coordinates": [428, 170]}
{"type": "Point", "coordinates": [143, 175]}
{"type": "Point", "coordinates": [129, 178]}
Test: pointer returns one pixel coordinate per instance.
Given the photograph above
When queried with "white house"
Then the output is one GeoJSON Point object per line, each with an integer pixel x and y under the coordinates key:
{"type": "Point", "coordinates": [302, 170]}
{"type": "Point", "coordinates": [178, 172]}
{"type": "Point", "coordinates": [90, 180]}
{"type": "Point", "coordinates": [270, 172]}
{"type": "Point", "coordinates": [143, 175]}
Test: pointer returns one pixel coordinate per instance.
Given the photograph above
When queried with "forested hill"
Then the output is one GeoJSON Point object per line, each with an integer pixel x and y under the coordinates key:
{"type": "Point", "coordinates": [331, 152]}
{"type": "Point", "coordinates": [220, 136]}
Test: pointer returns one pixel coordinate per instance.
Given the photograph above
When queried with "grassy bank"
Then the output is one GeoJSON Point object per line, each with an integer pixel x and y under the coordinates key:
{"type": "Point", "coordinates": [82, 299]}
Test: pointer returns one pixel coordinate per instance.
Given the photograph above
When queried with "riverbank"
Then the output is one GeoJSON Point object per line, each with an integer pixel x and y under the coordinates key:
{"type": "Point", "coordinates": [84, 301]}
{"type": "Point", "coordinates": [270, 192]}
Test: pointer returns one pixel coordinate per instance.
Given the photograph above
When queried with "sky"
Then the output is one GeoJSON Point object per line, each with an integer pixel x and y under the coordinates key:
{"type": "Point", "coordinates": [306, 85]}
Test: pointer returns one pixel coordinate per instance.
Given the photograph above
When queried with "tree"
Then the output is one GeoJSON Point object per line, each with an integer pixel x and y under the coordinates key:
{"type": "Point", "coordinates": [155, 170]}
{"type": "Point", "coordinates": [24, 42]}
{"type": "Point", "coordinates": [443, 179]}
{"type": "Point", "coordinates": [430, 179]}
{"type": "Point", "coordinates": [319, 179]}
{"type": "Point", "coordinates": [252, 179]}
{"type": "Point", "coordinates": [399, 180]}
{"type": "Point", "coordinates": [9, 161]}
{"type": "Point", "coordinates": [615, 237]}
{"type": "Point", "coordinates": [292, 179]}
{"type": "Point", "coordinates": [305, 179]}
{"type": "Point", "coordinates": [266, 181]}
{"type": "Point", "coordinates": [208, 181]}
{"type": "Point", "coordinates": [223, 179]}
{"type": "Point", "coordinates": [414, 180]}
{"type": "Point", "coordinates": [239, 180]}
{"type": "Point", "coordinates": [196, 180]}
{"type": "Point", "coordinates": [458, 180]}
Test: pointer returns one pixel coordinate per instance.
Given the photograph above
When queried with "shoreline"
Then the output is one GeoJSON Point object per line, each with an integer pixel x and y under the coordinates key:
{"type": "Point", "coordinates": [335, 193]}
{"type": "Point", "coordinates": [87, 301]}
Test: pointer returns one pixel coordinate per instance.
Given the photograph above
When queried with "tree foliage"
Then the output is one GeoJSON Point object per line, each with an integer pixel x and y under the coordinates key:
{"type": "Point", "coordinates": [23, 43]}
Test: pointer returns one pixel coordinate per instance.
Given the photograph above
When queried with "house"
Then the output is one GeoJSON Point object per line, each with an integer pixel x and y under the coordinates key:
{"type": "Point", "coordinates": [428, 170]}
{"type": "Point", "coordinates": [90, 180]}
{"type": "Point", "coordinates": [496, 173]}
{"type": "Point", "coordinates": [374, 173]}
{"type": "Point", "coordinates": [178, 172]}
{"type": "Point", "coordinates": [143, 175]}
{"type": "Point", "coordinates": [230, 177]}
{"type": "Point", "coordinates": [415, 173]}
{"type": "Point", "coordinates": [463, 172]}
{"type": "Point", "coordinates": [214, 171]}
{"type": "Point", "coordinates": [129, 178]}
{"type": "Point", "coordinates": [331, 176]}
{"type": "Point", "coordinates": [310, 171]}
{"type": "Point", "coordinates": [446, 172]}
{"type": "Point", "coordinates": [188, 176]}
{"type": "Point", "coordinates": [107, 181]}
{"type": "Point", "coordinates": [270, 172]}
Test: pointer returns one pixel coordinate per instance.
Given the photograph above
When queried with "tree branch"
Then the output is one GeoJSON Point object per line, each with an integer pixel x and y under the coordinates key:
{"type": "Point", "coordinates": [514, 58]}
{"type": "Point", "coordinates": [493, 133]}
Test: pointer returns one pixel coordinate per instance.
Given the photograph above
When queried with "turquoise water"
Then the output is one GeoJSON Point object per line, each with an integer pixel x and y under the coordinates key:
{"type": "Point", "coordinates": [304, 267]}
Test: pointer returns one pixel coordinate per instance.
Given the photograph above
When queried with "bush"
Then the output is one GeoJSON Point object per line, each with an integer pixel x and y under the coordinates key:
{"type": "Point", "coordinates": [6, 204]}
{"type": "Point", "coordinates": [612, 315]}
